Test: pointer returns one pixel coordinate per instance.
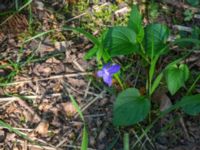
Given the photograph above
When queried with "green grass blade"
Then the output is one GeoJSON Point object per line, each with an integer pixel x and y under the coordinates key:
{"type": "Point", "coordinates": [11, 129]}
{"type": "Point", "coordinates": [193, 85]}
{"type": "Point", "coordinates": [151, 72]}
{"type": "Point", "coordinates": [38, 35]}
{"type": "Point", "coordinates": [16, 5]}
{"type": "Point", "coordinates": [187, 40]}
{"type": "Point", "coordinates": [25, 5]}
{"type": "Point", "coordinates": [91, 37]}
{"type": "Point", "coordinates": [84, 144]}
{"type": "Point", "coordinates": [156, 83]}
{"type": "Point", "coordinates": [76, 107]}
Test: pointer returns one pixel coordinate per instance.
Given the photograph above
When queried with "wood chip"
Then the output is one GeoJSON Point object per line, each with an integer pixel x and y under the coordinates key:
{"type": "Point", "coordinates": [42, 128]}
{"type": "Point", "coordinates": [69, 109]}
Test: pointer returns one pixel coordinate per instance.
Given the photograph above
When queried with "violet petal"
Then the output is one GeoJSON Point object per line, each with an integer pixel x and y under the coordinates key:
{"type": "Point", "coordinates": [107, 79]}
{"type": "Point", "coordinates": [106, 66]}
{"type": "Point", "coordinates": [114, 69]}
{"type": "Point", "coordinates": [100, 73]}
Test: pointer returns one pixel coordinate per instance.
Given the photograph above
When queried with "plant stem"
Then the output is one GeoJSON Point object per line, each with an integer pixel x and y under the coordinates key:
{"type": "Point", "coordinates": [119, 81]}
{"type": "Point", "coordinates": [193, 85]}
{"type": "Point", "coordinates": [151, 74]}
{"type": "Point", "coordinates": [126, 141]}
{"type": "Point", "coordinates": [143, 53]}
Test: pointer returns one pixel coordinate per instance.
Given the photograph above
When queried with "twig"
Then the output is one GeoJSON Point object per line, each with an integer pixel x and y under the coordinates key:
{"type": "Point", "coordinates": [79, 66]}
{"type": "Point", "coordinates": [7, 103]}
{"type": "Point", "coordinates": [38, 146]}
{"type": "Point", "coordinates": [182, 28]}
{"type": "Point", "coordinates": [90, 103]}
{"type": "Point", "coordinates": [62, 142]}
{"type": "Point", "coordinates": [197, 16]}
{"type": "Point", "coordinates": [14, 98]}
{"type": "Point", "coordinates": [184, 128]}
{"type": "Point", "coordinates": [75, 90]}
{"type": "Point", "coordinates": [78, 147]}
{"type": "Point", "coordinates": [147, 139]}
{"type": "Point", "coordinates": [50, 78]}
{"type": "Point", "coordinates": [94, 115]}
{"type": "Point", "coordinates": [87, 89]}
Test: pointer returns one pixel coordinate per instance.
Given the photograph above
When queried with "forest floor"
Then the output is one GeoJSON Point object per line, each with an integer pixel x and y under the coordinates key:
{"type": "Point", "coordinates": [38, 73]}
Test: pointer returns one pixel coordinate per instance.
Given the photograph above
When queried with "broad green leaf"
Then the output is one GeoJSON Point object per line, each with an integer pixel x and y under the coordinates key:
{"type": "Point", "coordinates": [191, 104]}
{"type": "Point", "coordinates": [176, 76]}
{"type": "Point", "coordinates": [155, 39]}
{"type": "Point", "coordinates": [130, 108]}
{"type": "Point", "coordinates": [193, 2]}
{"type": "Point", "coordinates": [120, 41]}
{"type": "Point", "coordinates": [135, 23]}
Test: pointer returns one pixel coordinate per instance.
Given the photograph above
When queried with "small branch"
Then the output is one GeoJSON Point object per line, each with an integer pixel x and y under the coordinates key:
{"type": "Point", "coordinates": [49, 78]}
{"type": "Point", "coordinates": [90, 103]}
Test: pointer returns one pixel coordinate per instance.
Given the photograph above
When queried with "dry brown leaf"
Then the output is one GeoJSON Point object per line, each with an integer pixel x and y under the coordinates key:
{"type": "Point", "coordinates": [16, 148]}
{"type": "Point", "coordinates": [76, 82]}
{"type": "Point", "coordinates": [44, 106]}
{"type": "Point", "coordinates": [165, 102]}
{"type": "Point", "coordinates": [61, 46]}
{"type": "Point", "coordinates": [10, 137]}
{"type": "Point", "coordinates": [42, 128]}
{"type": "Point", "coordinates": [11, 109]}
{"type": "Point", "coordinates": [162, 99]}
{"type": "Point", "coordinates": [54, 110]}
{"type": "Point", "coordinates": [27, 115]}
{"type": "Point", "coordinates": [42, 69]}
{"type": "Point", "coordinates": [34, 148]}
{"type": "Point", "coordinates": [53, 60]}
{"type": "Point", "coordinates": [69, 109]}
{"type": "Point", "coordinates": [36, 117]}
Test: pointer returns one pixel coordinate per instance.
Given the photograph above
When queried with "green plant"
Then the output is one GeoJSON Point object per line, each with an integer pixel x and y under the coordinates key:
{"type": "Point", "coordinates": [188, 15]}
{"type": "Point", "coordinates": [150, 43]}
{"type": "Point", "coordinates": [153, 10]}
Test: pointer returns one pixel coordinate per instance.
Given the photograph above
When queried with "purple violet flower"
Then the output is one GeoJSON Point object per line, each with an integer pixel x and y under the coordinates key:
{"type": "Point", "coordinates": [107, 72]}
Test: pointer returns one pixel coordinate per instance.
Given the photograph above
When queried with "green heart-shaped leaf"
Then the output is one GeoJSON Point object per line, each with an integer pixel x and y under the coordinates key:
{"type": "Point", "coordinates": [193, 2]}
{"type": "Point", "coordinates": [155, 39]}
{"type": "Point", "coordinates": [120, 41]}
{"type": "Point", "coordinates": [191, 104]}
{"type": "Point", "coordinates": [130, 108]}
{"type": "Point", "coordinates": [135, 23]}
{"type": "Point", "coordinates": [176, 77]}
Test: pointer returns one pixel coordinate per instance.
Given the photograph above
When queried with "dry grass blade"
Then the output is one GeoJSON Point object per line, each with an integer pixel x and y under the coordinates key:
{"type": "Point", "coordinates": [50, 78]}
{"type": "Point", "coordinates": [91, 102]}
